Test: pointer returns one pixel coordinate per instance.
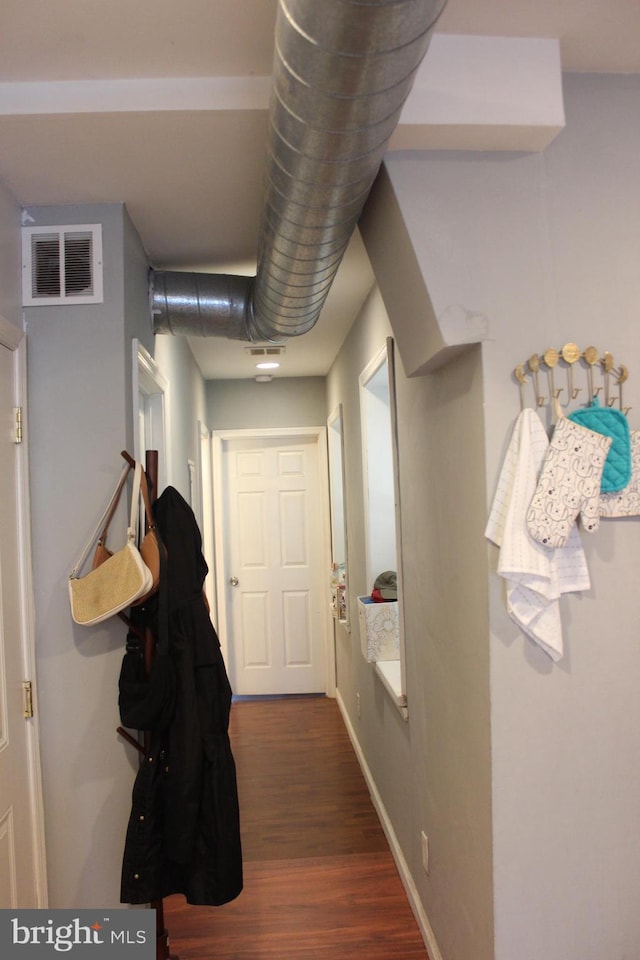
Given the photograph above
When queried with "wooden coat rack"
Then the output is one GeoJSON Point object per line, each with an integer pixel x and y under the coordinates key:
{"type": "Point", "coordinates": [149, 644]}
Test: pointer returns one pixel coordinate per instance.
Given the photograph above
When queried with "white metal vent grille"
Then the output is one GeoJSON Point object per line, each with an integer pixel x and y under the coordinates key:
{"type": "Point", "coordinates": [62, 265]}
{"type": "Point", "coordinates": [265, 351]}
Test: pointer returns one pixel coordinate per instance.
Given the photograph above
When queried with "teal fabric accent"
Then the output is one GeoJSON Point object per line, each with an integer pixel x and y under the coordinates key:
{"type": "Point", "coordinates": [610, 423]}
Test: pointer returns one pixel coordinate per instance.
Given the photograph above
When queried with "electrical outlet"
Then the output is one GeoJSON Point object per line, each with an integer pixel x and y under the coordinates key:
{"type": "Point", "coordinates": [358, 704]}
{"type": "Point", "coordinates": [425, 851]}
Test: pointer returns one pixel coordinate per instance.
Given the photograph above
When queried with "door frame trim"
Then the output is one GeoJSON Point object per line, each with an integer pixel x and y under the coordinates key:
{"type": "Point", "coordinates": [218, 438]}
{"type": "Point", "coordinates": [149, 382]}
{"type": "Point", "coordinates": [204, 474]}
{"type": "Point", "coordinates": [14, 339]}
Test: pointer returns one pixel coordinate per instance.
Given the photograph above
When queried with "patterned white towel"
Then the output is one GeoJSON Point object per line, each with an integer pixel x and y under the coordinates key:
{"type": "Point", "coordinates": [535, 575]}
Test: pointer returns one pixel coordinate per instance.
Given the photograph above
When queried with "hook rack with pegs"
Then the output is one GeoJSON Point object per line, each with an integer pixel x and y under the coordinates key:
{"type": "Point", "coordinates": [570, 359]}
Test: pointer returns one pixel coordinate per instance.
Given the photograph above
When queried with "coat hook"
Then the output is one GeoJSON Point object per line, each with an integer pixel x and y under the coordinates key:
{"type": "Point", "coordinates": [534, 365]}
{"type": "Point", "coordinates": [591, 357]}
{"type": "Point", "coordinates": [570, 353]}
{"type": "Point", "coordinates": [522, 380]}
{"type": "Point", "coordinates": [551, 358]}
{"type": "Point", "coordinates": [607, 364]}
{"type": "Point", "coordinates": [623, 376]}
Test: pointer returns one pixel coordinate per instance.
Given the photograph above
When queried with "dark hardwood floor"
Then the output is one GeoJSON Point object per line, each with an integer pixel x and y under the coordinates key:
{"type": "Point", "coordinates": [320, 881]}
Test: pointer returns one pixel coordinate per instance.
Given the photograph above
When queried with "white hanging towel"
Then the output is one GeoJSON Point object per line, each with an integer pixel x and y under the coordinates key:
{"type": "Point", "coordinates": [535, 575]}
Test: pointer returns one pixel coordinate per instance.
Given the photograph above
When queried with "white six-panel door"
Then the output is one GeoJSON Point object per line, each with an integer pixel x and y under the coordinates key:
{"type": "Point", "coordinates": [274, 565]}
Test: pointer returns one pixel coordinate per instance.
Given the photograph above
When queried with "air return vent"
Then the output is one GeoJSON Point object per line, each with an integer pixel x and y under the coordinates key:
{"type": "Point", "coordinates": [62, 265]}
{"type": "Point", "coordinates": [274, 351]}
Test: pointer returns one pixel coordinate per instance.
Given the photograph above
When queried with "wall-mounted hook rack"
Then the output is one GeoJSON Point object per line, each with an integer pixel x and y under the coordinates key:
{"type": "Point", "coordinates": [568, 356]}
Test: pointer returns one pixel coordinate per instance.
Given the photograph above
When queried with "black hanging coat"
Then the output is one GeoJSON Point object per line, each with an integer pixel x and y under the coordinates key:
{"type": "Point", "coordinates": [184, 833]}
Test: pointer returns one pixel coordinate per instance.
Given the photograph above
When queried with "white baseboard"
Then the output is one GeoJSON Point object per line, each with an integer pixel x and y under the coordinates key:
{"type": "Point", "coordinates": [407, 880]}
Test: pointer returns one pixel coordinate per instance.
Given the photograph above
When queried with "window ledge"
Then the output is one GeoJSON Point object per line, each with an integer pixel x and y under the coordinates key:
{"type": "Point", "coordinates": [390, 674]}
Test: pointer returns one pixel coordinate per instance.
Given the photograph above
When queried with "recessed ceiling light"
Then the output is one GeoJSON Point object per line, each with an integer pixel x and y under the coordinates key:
{"type": "Point", "coordinates": [267, 365]}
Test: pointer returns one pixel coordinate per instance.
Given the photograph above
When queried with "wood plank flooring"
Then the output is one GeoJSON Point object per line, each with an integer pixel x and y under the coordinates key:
{"type": "Point", "coordinates": [320, 881]}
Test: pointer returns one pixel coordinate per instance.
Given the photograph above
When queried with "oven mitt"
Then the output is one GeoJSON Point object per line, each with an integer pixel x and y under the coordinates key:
{"type": "Point", "coordinates": [569, 484]}
{"type": "Point", "coordinates": [610, 423]}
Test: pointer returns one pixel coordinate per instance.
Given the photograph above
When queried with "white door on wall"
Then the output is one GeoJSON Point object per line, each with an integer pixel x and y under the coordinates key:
{"type": "Point", "coordinates": [273, 576]}
{"type": "Point", "coordinates": [21, 849]}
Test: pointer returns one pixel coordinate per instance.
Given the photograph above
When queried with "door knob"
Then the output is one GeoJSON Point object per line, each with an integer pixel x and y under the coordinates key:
{"type": "Point", "coordinates": [234, 581]}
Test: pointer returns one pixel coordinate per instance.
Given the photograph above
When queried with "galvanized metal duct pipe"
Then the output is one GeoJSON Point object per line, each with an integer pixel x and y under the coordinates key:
{"type": "Point", "coordinates": [201, 304]}
{"type": "Point", "coordinates": [342, 71]}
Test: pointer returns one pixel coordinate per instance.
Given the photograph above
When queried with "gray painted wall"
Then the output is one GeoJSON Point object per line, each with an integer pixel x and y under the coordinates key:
{"type": "Point", "coordinates": [547, 247]}
{"type": "Point", "coordinates": [433, 771]}
{"type": "Point", "coordinates": [284, 402]}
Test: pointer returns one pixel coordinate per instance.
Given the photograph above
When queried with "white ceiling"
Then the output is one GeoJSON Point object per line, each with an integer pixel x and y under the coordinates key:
{"type": "Point", "coordinates": [162, 105]}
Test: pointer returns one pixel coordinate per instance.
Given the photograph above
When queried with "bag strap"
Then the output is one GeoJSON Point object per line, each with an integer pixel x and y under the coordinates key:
{"type": "Point", "coordinates": [104, 519]}
{"type": "Point", "coordinates": [113, 503]}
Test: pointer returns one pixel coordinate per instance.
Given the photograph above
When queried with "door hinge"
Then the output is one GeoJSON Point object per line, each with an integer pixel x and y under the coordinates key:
{"type": "Point", "coordinates": [18, 436]}
{"type": "Point", "coordinates": [27, 695]}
